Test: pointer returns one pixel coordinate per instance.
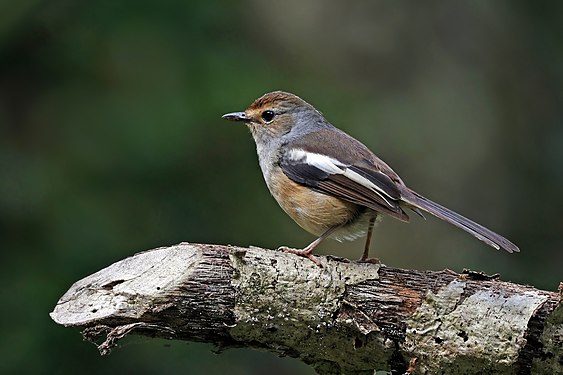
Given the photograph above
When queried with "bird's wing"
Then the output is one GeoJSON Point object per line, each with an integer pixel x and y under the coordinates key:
{"type": "Point", "coordinates": [343, 167]}
{"type": "Point", "coordinates": [353, 183]}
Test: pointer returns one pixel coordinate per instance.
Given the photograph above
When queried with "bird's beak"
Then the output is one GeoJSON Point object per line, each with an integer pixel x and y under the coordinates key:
{"type": "Point", "coordinates": [236, 116]}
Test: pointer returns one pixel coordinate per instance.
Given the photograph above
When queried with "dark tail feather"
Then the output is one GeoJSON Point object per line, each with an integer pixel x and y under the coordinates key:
{"type": "Point", "coordinates": [486, 235]}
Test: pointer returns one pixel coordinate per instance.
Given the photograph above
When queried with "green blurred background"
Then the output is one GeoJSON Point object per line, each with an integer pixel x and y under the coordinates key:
{"type": "Point", "coordinates": [111, 142]}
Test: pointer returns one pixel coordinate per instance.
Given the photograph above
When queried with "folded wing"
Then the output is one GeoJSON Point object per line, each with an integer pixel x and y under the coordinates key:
{"type": "Point", "coordinates": [351, 183]}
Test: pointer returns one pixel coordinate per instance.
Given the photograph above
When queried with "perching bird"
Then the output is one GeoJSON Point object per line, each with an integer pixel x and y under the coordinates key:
{"type": "Point", "coordinates": [330, 183]}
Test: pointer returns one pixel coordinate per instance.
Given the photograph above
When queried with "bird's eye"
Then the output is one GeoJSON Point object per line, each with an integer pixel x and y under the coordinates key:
{"type": "Point", "coordinates": [268, 115]}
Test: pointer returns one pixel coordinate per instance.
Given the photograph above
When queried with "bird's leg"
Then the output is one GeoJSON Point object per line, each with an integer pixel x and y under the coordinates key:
{"type": "Point", "coordinates": [365, 255]}
{"type": "Point", "coordinates": [307, 251]}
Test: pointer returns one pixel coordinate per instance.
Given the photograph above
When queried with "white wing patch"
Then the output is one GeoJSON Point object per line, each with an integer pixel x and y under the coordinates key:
{"type": "Point", "coordinates": [333, 166]}
{"type": "Point", "coordinates": [323, 162]}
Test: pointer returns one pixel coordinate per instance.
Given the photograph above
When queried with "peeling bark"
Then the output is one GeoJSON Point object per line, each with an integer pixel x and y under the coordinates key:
{"type": "Point", "coordinates": [345, 317]}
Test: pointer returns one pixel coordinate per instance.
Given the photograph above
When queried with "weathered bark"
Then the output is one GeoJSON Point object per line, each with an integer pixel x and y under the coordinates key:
{"type": "Point", "coordinates": [345, 317]}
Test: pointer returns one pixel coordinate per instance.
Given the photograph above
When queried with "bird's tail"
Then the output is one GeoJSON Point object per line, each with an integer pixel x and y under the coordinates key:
{"type": "Point", "coordinates": [486, 235]}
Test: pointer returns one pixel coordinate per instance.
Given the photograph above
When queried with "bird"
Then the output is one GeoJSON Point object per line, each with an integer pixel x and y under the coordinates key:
{"type": "Point", "coordinates": [331, 184]}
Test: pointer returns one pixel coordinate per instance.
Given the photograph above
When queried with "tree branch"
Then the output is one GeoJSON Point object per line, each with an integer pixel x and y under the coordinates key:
{"type": "Point", "coordinates": [345, 317]}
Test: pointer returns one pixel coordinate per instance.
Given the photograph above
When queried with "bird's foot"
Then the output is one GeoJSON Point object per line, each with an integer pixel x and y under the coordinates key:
{"type": "Point", "coordinates": [369, 260]}
{"type": "Point", "coordinates": [307, 253]}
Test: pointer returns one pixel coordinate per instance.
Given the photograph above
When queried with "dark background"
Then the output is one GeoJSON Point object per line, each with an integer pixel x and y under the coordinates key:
{"type": "Point", "coordinates": [111, 142]}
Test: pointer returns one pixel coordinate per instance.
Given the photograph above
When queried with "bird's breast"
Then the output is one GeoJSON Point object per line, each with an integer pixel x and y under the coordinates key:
{"type": "Point", "coordinates": [313, 211]}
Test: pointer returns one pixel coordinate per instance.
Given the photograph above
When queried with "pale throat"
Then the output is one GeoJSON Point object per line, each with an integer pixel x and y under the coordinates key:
{"type": "Point", "coordinates": [266, 160]}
